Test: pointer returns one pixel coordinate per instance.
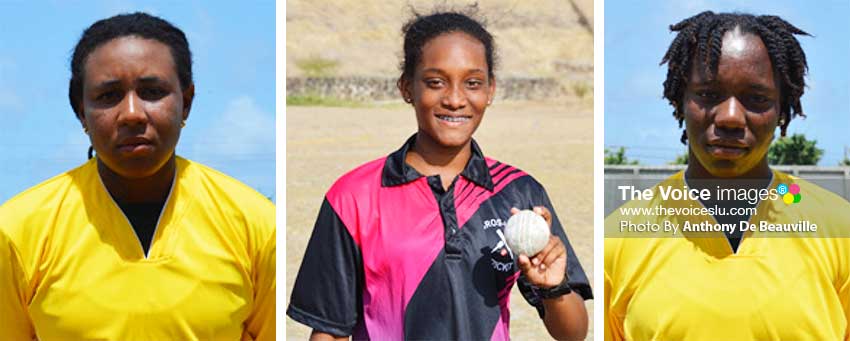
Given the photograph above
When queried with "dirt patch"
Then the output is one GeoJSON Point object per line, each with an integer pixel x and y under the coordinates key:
{"type": "Point", "coordinates": [553, 142]}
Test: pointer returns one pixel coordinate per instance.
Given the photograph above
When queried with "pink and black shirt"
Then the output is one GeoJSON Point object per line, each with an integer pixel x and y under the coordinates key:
{"type": "Point", "coordinates": [395, 256]}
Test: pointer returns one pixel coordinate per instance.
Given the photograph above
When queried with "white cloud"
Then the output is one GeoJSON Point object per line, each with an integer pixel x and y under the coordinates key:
{"type": "Point", "coordinates": [243, 130]}
{"type": "Point", "coordinates": [74, 147]}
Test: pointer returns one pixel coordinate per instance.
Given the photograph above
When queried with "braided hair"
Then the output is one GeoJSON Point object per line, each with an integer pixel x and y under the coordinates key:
{"type": "Point", "coordinates": [700, 37]}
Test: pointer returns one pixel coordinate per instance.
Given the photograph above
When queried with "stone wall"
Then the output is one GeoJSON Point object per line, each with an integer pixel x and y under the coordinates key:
{"type": "Point", "coordinates": [384, 89]}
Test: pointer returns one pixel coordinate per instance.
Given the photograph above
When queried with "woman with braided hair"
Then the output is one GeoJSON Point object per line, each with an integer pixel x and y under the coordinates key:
{"type": "Point", "coordinates": [732, 79]}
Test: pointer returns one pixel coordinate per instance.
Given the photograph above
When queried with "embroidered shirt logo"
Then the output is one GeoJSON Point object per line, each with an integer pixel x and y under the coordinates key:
{"type": "Point", "coordinates": [497, 260]}
{"type": "Point", "coordinates": [496, 222]}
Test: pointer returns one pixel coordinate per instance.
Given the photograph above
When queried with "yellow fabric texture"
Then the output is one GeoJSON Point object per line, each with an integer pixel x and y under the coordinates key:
{"type": "Point", "coordinates": [696, 288]}
{"type": "Point", "coordinates": [72, 268]}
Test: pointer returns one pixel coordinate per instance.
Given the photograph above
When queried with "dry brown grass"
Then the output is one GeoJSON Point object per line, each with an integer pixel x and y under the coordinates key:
{"type": "Point", "coordinates": [534, 38]}
{"type": "Point", "coordinates": [553, 142]}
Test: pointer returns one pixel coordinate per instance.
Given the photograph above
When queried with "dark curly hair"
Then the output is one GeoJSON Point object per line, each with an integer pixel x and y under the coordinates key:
{"type": "Point", "coordinates": [423, 28]}
{"type": "Point", "coordinates": [135, 24]}
{"type": "Point", "coordinates": [700, 38]}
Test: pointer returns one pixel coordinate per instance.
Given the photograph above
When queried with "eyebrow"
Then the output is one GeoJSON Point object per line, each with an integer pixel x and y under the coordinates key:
{"type": "Point", "coordinates": [753, 86]}
{"type": "Point", "coordinates": [150, 79]}
{"type": "Point", "coordinates": [113, 82]}
{"type": "Point", "coordinates": [441, 71]}
{"type": "Point", "coordinates": [107, 84]}
{"type": "Point", "coordinates": [760, 87]}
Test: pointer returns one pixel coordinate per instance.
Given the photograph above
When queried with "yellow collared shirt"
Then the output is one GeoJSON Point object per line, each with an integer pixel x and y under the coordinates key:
{"type": "Point", "coordinates": [695, 288]}
{"type": "Point", "coordinates": [72, 268]}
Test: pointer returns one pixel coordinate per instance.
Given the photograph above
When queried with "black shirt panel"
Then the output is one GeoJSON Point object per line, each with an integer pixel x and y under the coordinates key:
{"type": "Point", "coordinates": [327, 295]}
{"type": "Point", "coordinates": [531, 193]}
{"type": "Point", "coordinates": [472, 285]}
{"type": "Point", "coordinates": [143, 217]}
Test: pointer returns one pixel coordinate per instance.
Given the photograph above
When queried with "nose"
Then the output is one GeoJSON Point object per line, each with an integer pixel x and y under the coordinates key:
{"type": "Point", "coordinates": [131, 111]}
{"type": "Point", "coordinates": [454, 98]}
{"type": "Point", "coordinates": [730, 114]}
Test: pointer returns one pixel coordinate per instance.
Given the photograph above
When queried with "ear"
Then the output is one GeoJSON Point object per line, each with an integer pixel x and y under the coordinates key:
{"type": "Point", "coordinates": [188, 97]}
{"type": "Point", "coordinates": [404, 89]}
{"type": "Point", "coordinates": [81, 115]}
{"type": "Point", "coordinates": [492, 94]}
{"type": "Point", "coordinates": [83, 123]}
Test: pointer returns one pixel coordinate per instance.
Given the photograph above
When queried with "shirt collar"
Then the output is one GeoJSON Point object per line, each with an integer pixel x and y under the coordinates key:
{"type": "Point", "coordinates": [397, 172]}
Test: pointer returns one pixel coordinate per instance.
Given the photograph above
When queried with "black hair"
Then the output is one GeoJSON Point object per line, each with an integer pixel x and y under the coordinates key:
{"type": "Point", "coordinates": [700, 37]}
{"type": "Point", "coordinates": [423, 28]}
{"type": "Point", "coordinates": [134, 24]}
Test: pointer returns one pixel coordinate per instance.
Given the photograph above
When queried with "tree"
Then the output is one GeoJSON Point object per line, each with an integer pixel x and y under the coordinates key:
{"type": "Point", "coordinates": [681, 159]}
{"type": "Point", "coordinates": [794, 150]}
{"type": "Point", "coordinates": [618, 157]}
{"type": "Point", "coordinates": [845, 162]}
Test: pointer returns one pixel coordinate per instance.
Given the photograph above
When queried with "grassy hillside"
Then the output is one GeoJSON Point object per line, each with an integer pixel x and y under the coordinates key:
{"type": "Point", "coordinates": [543, 38]}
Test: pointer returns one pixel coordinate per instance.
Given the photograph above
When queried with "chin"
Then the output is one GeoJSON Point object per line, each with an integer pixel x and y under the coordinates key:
{"type": "Point", "coordinates": [135, 168]}
{"type": "Point", "coordinates": [454, 141]}
{"type": "Point", "coordinates": [722, 168]}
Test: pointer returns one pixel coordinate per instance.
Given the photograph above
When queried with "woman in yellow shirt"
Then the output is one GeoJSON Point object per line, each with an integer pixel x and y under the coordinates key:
{"type": "Point", "coordinates": [137, 243]}
{"type": "Point", "coordinates": [732, 80]}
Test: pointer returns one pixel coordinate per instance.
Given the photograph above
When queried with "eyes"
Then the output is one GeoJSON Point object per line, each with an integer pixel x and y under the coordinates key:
{"type": "Point", "coordinates": [755, 101]}
{"type": "Point", "coordinates": [112, 96]}
{"type": "Point", "coordinates": [440, 83]}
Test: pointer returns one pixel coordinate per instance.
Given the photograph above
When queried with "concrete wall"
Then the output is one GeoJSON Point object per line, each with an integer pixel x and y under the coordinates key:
{"type": "Point", "coordinates": [834, 179]}
{"type": "Point", "coordinates": [382, 89]}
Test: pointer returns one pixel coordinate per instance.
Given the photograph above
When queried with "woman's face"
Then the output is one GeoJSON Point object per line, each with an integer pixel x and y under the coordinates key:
{"type": "Point", "coordinates": [730, 120]}
{"type": "Point", "coordinates": [133, 105]}
{"type": "Point", "coordinates": [450, 88]}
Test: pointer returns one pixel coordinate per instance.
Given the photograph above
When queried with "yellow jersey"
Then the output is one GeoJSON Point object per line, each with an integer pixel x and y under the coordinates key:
{"type": "Point", "coordinates": [72, 268]}
{"type": "Point", "coordinates": [694, 287]}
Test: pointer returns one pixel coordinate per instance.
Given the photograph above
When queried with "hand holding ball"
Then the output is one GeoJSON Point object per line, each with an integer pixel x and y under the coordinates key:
{"type": "Point", "coordinates": [527, 233]}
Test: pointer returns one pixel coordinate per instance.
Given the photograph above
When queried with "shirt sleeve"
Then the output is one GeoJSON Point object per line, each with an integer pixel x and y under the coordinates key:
{"type": "Point", "coordinates": [327, 295]}
{"type": "Point", "coordinates": [260, 325]}
{"type": "Point", "coordinates": [577, 278]}
{"type": "Point", "coordinates": [613, 331]}
{"type": "Point", "coordinates": [15, 323]}
{"type": "Point", "coordinates": [844, 296]}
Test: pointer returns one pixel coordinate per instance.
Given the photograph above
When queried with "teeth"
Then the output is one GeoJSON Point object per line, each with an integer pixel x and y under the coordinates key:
{"type": "Point", "coordinates": [453, 118]}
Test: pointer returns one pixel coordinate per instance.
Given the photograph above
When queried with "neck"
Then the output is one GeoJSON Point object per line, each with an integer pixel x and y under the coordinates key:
{"type": "Point", "coordinates": [150, 189]}
{"type": "Point", "coordinates": [430, 158]}
{"type": "Point", "coordinates": [757, 177]}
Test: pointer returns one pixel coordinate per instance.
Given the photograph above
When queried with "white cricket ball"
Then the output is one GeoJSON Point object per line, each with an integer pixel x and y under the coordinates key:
{"type": "Point", "coordinates": [527, 233]}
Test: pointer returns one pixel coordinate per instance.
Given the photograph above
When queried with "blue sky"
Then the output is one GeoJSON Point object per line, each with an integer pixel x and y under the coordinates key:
{"type": "Point", "coordinates": [637, 35]}
{"type": "Point", "coordinates": [230, 128]}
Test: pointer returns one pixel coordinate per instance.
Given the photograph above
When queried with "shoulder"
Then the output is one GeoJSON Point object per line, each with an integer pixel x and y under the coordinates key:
{"type": "Point", "coordinates": [358, 183]}
{"type": "Point", "coordinates": [624, 247]}
{"type": "Point", "coordinates": [29, 220]}
{"type": "Point", "coordinates": [43, 200]}
{"type": "Point", "coordinates": [216, 181]}
{"type": "Point", "coordinates": [504, 174]}
{"type": "Point", "coordinates": [216, 190]}
{"type": "Point", "coordinates": [816, 203]}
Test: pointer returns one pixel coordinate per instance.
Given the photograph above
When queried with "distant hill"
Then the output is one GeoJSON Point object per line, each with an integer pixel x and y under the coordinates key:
{"type": "Point", "coordinates": [545, 38]}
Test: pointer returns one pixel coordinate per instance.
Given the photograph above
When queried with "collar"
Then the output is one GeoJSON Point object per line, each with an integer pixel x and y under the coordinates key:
{"type": "Point", "coordinates": [397, 172]}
